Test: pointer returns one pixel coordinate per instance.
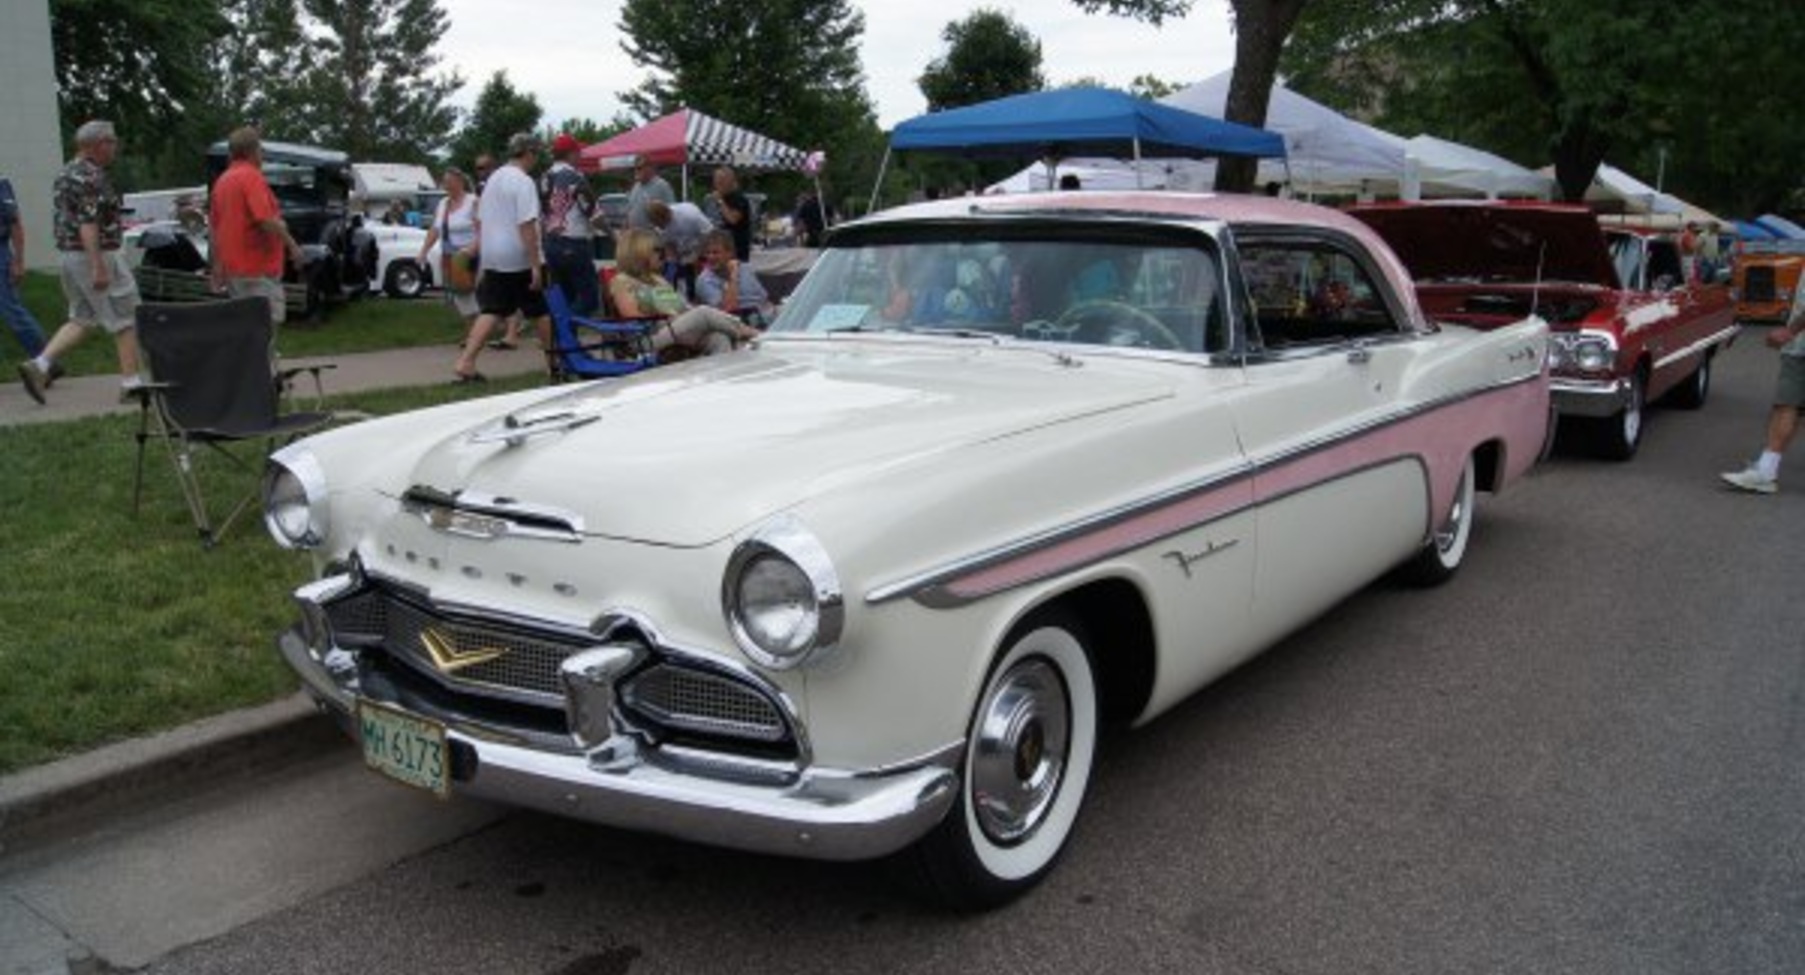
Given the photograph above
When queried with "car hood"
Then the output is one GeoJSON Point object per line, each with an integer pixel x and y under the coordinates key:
{"type": "Point", "coordinates": [1439, 242]}
{"type": "Point", "coordinates": [685, 455]}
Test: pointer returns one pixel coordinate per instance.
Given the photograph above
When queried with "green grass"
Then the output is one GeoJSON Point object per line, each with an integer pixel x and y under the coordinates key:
{"type": "Point", "coordinates": [359, 325]}
{"type": "Point", "coordinates": [115, 625]}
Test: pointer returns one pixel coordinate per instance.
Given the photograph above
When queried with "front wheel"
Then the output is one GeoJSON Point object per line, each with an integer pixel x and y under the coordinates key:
{"type": "Point", "coordinates": [1441, 557]}
{"type": "Point", "coordinates": [1028, 758]}
{"type": "Point", "coordinates": [1617, 437]}
{"type": "Point", "coordinates": [404, 280]}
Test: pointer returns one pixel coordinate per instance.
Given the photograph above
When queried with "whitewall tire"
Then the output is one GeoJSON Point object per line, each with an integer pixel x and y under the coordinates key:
{"type": "Point", "coordinates": [1027, 763]}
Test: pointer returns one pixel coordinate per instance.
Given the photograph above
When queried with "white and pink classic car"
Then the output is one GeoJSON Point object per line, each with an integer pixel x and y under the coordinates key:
{"type": "Point", "coordinates": [1005, 471]}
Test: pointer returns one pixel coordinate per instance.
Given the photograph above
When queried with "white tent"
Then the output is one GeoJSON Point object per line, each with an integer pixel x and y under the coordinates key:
{"type": "Point", "coordinates": [1326, 151]}
{"type": "Point", "coordinates": [1437, 167]}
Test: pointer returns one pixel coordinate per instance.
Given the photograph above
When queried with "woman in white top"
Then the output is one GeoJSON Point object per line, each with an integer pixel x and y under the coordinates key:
{"type": "Point", "coordinates": [454, 227]}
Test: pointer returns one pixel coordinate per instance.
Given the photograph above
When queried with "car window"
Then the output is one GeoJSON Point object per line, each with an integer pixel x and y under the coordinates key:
{"type": "Point", "coordinates": [1311, 294]}
{"type": "Point", "coordinates": [1626, 257]}
{"type": "Point", "coordinates": [1665, 271]}
{"type": "Point", "coordinates": [1155, 295]}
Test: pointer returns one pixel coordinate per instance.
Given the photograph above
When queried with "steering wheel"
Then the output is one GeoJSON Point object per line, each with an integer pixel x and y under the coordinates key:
{"type": "Point", "coordinates": [1115, 315]}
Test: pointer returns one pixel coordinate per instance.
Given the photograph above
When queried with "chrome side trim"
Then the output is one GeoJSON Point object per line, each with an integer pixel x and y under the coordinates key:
{"type": "Point", "coordinates": [924, 586]}
{"type": "Point", "coordinates": [1717, 338]}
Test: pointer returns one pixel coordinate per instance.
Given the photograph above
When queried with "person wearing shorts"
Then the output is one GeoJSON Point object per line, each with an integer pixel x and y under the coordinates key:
{"type": "Point", "coordinates": [1762, 476]}
{"type": "Point", "coordinates": [250, 241]}
{"type": "Point", "coordinates": [507, 245]}
{"type": "Point", "coordinates": [102, 293]}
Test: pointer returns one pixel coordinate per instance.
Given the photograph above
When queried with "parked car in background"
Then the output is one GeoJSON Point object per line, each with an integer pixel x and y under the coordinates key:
{"type": "Point", "coordinates": [1767, 275]}
{"type": "Point", "coordinates": [398, 268]}
{"type": "Point", "coordinates": [1003, 471]}
{"type": "Point", "coordinates": [1628, 327]}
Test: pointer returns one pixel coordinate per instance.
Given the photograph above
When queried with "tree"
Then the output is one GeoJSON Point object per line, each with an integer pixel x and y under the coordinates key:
{"type": "Point", "coordinates": [370, 90]}
{"type": "Point", "coordinates": [500, 111]}
{"type": "Point", "coordinates": [786, 68]}
{"type": "Point", "coordinates": [140, 64]}
{"type": "Point", "coordinates": [988, 56]}
{"type": "Point", "coordinates": [257, 78]}
{"type": "Point", "coordinates": [1261, 27]}
{"type": "Point", "coordinates": [1575, 81]}
{"type": "Point", "coordinates": [1153, 89]}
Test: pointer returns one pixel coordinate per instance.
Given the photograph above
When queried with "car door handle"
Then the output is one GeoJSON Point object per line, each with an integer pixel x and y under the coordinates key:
{"type": "Point", "coordinates": [1359, 353]}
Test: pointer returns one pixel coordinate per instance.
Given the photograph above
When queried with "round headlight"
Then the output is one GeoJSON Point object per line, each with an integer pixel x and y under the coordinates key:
{"type": "Point", "coordinates": [781, 596]}
{"type": "Point", "coordinates": [1593, 356]}
{"type": "Point", "coordinates": [294, 500]}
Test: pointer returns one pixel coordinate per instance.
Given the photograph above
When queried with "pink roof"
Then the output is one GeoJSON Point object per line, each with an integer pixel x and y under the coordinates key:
{"type": "Point", "coordinates": [665, 140]}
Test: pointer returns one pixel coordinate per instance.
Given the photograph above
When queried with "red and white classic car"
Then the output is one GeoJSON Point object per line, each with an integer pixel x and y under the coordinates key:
{"type": "Point", "coordinates": [1003, 471]}
{"type": "Point", "coordinates": [1628, 324]}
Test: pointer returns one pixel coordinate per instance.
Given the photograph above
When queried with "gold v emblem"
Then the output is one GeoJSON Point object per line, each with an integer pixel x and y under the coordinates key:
{"type": "Point", "coordinates": [449, 659]}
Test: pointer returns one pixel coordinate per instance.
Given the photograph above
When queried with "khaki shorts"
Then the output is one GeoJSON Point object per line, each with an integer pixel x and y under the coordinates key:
{"type": "Point", "coordinates": [1789, 390]}
{"type": "Point", "coordinates": [260, 287]}
{"type": "Point", "coordinates": [115, 308]}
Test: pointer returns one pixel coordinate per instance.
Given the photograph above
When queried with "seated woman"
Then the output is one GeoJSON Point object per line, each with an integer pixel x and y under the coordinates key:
{"type": "Point", "coordinates": [639, 291]}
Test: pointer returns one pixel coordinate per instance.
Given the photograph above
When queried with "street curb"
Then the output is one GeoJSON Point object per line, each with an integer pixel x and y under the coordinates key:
{"type": "Point", "coordinates": [64, 796]}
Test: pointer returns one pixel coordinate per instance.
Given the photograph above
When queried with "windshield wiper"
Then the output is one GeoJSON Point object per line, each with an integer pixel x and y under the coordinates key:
{"type": "Point", "coordinates": [955, 331]}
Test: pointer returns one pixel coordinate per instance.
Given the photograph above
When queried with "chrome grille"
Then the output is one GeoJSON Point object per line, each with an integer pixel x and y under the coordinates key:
{"type": "Point", "coordinates": [526, 662]}
{"type": "Point", "coordinates": [525, 668]}
{"type": "Point", "coordinates": [704, 702]}
{"type": "Point", "coordinates": [1758, 284]}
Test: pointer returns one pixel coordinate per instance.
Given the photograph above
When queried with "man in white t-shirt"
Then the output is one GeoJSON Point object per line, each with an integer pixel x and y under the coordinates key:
{"type": "Point", "coordinates": [507, 242]}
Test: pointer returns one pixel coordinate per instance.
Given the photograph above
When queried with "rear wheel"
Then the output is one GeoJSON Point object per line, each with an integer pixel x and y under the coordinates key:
{"type": "Point", "coordinates": [1691, 394]}
{"type": "Point", "coordinates": [1027, 761]}
{"type": "Point", "coordinates": [1441, 557]}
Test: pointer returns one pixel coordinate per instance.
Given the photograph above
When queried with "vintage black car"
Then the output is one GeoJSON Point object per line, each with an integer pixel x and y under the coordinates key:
{"type": "Point", "coordinates": [313, 186]}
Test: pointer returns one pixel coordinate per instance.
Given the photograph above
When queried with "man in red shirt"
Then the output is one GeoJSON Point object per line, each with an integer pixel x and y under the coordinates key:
{"type": "Point", "coordinates": [249, 238]}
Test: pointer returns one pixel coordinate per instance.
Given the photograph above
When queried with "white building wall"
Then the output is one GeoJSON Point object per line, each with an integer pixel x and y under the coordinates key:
{"type": "Point", "coordinates": [30, 134]}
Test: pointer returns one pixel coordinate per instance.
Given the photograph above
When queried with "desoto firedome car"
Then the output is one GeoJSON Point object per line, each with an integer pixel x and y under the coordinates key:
{"type": "Point", "coordinates": [1003, 472]}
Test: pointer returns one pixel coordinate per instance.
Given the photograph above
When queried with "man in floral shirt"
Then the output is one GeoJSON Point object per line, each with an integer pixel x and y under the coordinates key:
{"type": "Point", "coordinates": [96, 279]}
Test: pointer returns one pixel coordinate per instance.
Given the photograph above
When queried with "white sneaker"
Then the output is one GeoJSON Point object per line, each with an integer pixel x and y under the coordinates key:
{"type": "Point", "coordinates": [1752, 480]}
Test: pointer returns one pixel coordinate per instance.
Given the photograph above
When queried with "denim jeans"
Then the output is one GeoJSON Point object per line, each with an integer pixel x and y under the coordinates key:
{"type": "Point", "coordinates": [573, 271]}
{"type": "Point", "coordinates": [17, 316]}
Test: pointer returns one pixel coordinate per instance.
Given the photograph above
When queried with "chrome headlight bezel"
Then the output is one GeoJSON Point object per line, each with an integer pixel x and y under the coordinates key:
{"type": "Point", "coordinates": [784, 546]}
{"type": "Point", "coordinates": [295, 509]}
{"type": "Point", "coordinates": [1587, 352]}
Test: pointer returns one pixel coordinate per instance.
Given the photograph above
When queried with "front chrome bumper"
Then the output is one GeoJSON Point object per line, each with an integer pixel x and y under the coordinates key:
{"type": "Point", "coordinates": [1588, 397]}
{"type": "Point", "coordinates": [825, 814]}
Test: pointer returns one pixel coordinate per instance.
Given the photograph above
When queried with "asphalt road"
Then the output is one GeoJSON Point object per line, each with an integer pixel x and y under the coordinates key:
{"type": "Point", "coordinates": [1584, 754]}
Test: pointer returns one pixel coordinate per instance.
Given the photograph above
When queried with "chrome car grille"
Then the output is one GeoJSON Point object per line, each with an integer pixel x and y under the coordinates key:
{"type": "Point", "coordinates": [706, 703]}
{"type": "Point", "coordinates": [478, 659]}
{"type": "Point", "coordinates": [1758, 284]}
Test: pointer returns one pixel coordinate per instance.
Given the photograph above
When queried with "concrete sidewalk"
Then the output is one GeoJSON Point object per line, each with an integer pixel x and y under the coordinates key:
{"type": "Point", "coordinates": [95, 395]}
{"type": "Point", "coordinates": [41, 804]}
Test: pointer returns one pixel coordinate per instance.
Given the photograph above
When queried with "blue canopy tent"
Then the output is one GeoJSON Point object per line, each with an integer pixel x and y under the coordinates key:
{"type": "Point", "coordinates": [1749, 230]}
{"type": "Point", "coordinates": [1068, 122]}
{"type": "Point", "coordinates": [1780, 227]}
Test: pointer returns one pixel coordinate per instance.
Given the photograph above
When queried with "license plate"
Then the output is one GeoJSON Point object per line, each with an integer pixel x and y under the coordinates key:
{"type": "Point", "coordinates": [405, 747]}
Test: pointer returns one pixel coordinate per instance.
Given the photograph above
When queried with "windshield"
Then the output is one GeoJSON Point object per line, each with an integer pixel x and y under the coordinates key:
{"type": "Point", "coordinates": [1133, 294]}
{"type": "Point", "coordinates": [1626, 257]}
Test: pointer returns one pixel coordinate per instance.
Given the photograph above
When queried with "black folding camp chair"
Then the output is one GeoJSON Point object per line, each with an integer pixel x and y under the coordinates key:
{"type": "Point", "coordinates": [211, 384]}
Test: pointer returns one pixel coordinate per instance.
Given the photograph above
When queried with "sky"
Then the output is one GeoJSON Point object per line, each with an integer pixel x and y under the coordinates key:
{"type": "Point", "coordinates": [567, 54]}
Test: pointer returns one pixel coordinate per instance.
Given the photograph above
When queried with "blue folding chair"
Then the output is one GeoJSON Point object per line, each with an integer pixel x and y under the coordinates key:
{"type": "Point", "coordinates": [589, 348]}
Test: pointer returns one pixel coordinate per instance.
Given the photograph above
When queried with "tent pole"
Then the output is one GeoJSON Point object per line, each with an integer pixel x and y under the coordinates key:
{"type": "Point", "coordinates": [1137, 163]}
{"type": "Point", "coordinates": [686, 181]}
{"type": "Point", "coordinates": [881, 169]}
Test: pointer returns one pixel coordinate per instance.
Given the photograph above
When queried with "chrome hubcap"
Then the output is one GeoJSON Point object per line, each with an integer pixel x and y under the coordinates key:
{"type": "Point", "coordinates": [1018, 760]}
